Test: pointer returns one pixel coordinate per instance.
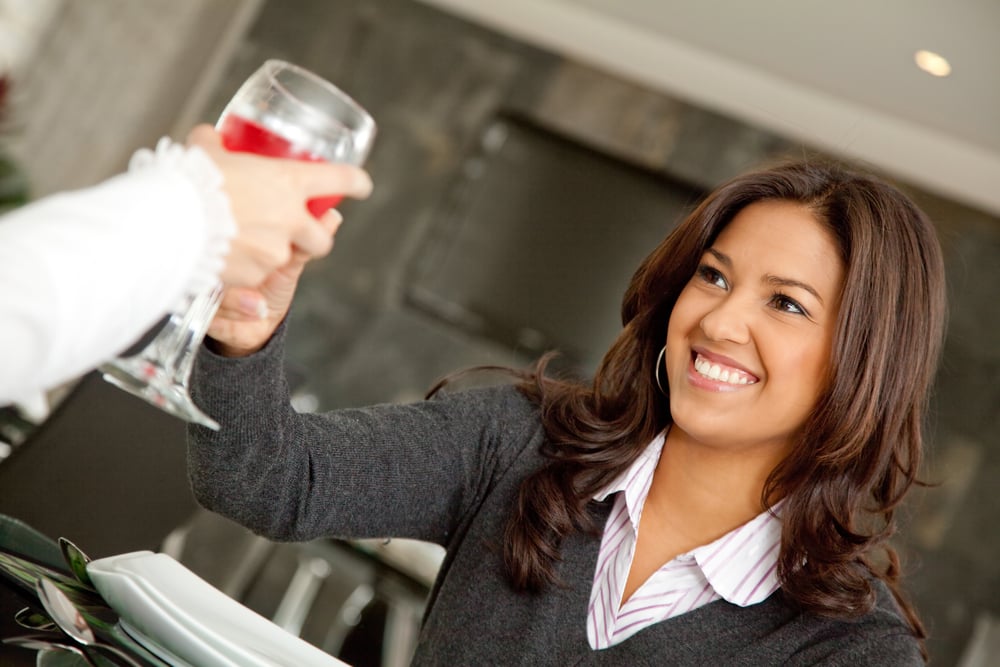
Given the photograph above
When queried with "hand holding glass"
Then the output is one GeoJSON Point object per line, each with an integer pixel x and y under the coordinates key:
{"type": "Point", "coordinates": [283, 111]}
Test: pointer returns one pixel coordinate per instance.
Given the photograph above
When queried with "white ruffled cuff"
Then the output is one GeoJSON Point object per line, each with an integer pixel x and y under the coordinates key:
{"type": "Point", "coordinates": [194, 165]}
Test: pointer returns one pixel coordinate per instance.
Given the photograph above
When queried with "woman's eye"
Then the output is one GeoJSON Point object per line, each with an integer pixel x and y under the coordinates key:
{"type": "Point", "coordinates": [712, 276]}
{"type": "Point", "coordinates": [787, 305]}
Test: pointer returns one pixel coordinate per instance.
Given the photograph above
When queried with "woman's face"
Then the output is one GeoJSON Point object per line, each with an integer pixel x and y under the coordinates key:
{"type": "Point", "coordinates": [749, 340]}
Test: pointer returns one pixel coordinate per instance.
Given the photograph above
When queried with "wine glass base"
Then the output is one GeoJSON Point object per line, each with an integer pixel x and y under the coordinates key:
{"type": "Point", "coordinates": [151, 383]}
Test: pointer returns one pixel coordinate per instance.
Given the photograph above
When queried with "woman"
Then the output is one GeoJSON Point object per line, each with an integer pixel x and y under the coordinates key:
{"type": "Point", "coordinates": [723, 491]}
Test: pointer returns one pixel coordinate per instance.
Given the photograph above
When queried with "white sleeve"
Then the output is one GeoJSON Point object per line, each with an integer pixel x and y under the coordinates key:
{"type": "Point", "coordinates": [83, 274]}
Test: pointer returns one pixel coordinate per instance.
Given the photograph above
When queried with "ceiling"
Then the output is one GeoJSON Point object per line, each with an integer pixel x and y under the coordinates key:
{"type": "Point", "coordinates": [839, 75]}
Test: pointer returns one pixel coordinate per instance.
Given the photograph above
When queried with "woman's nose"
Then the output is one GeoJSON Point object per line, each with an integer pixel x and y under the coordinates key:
{"type": "Point", "coordinates": [727, 321]}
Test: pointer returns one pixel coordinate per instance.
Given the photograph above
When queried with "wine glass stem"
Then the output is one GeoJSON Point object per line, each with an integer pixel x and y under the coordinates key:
{"type": "Point", "coordinates": [193, 325]}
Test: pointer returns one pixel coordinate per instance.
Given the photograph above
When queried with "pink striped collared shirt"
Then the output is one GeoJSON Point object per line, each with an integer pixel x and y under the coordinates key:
{"type": "Point", "coordinates": [739, 567]}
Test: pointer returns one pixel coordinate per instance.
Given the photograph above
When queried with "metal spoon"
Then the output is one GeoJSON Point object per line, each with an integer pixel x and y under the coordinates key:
{"type": "Point", "coordinates": [58, 657]}
{"type": "Point", "coordinates": [77, 561]}
{"type": "Point", "coordinates": [43, 644]}
{"type": "Point", "coordinates": [71, 621]}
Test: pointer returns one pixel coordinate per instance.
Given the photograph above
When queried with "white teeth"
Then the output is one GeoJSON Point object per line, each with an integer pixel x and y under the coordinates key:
{"type": "Point", "coordinates": [716, 372]}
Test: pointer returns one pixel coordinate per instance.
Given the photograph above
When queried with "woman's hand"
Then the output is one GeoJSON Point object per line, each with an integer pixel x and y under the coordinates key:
{"type": "Point", "coordinates": [276, 236]}
{"type": "Point", "coordinates": [268, 199]}
{"type": "Point", "coordinates": [247, 317]}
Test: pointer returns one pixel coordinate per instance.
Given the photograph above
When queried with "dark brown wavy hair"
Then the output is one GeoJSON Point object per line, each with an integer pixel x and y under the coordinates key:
{"type": "Point", "coordinates": [858, 452]}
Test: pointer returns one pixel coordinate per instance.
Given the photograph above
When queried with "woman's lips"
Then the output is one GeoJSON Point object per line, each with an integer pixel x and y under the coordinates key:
{"type": "Point", "coordinates": [717, 372]}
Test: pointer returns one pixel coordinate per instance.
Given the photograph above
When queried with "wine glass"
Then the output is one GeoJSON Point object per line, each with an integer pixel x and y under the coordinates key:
{"type": "Point", "coordinates": [282, 110]}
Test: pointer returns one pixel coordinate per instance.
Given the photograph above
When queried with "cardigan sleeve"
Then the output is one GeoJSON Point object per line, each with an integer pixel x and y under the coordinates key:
{"type": "Point", "coordinates": [415, 470]}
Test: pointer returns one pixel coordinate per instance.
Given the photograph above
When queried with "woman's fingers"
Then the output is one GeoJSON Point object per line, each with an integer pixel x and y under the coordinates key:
{"type": "Point", "coordinates": [326, 178]}
{"type": "Point", "coordinates": [309, 179]}
{"type": "Point", "coordinates": [315, 237]}
{"type": "Point", "coordinates": [243, 304]}
{"type": "Point", "coordinates": [243, 323]}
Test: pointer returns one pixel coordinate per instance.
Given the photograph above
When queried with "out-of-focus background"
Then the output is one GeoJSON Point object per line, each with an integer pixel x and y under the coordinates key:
{"type": "Point", "coordinates": [530, 152]}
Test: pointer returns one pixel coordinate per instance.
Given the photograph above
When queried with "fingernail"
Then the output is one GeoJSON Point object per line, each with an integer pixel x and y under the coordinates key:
{"type": "Point", "coordinates": [253, 305]}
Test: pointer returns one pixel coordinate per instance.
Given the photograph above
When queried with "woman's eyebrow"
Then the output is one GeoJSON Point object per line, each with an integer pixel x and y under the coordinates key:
{"type": "Point", "coordinates": [790, 282]}
{"type": "Point", "coordinates": [722, 257]}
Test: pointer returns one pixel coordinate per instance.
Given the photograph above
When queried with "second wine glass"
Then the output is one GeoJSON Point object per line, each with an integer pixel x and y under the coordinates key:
{"type": "Point", "coordinates": [282, 110]}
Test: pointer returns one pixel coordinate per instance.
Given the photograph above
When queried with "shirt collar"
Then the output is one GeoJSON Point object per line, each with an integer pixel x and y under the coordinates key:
{"type": "Point", "coordinates": [741, 566]}
{"type": "Point", "coordinates": [635, 479]}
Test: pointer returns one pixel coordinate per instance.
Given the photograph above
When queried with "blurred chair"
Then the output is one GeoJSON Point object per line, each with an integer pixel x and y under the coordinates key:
{"type": "Point", "coordinates": [360, 601]}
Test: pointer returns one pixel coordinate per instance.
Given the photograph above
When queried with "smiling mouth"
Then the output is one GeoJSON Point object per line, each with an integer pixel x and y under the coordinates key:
{"type": "Point", "coordinates": [721, 373]}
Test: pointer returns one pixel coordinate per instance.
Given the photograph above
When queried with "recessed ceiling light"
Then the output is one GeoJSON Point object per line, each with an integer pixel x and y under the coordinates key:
{"type": "Point", "coordinates": [932, 63]}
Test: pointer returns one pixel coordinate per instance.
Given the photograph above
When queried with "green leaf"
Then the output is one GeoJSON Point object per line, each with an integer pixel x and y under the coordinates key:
{"type": "Point", "coordinates": [13, 185]}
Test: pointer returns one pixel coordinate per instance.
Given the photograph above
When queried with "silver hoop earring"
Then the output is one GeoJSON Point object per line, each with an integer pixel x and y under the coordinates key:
{"type": "Point", "coordinates": [659, 362]}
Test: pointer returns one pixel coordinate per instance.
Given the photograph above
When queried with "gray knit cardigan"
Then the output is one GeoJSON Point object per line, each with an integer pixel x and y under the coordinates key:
{"type": "Point", "coordinates": [446, 471]}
